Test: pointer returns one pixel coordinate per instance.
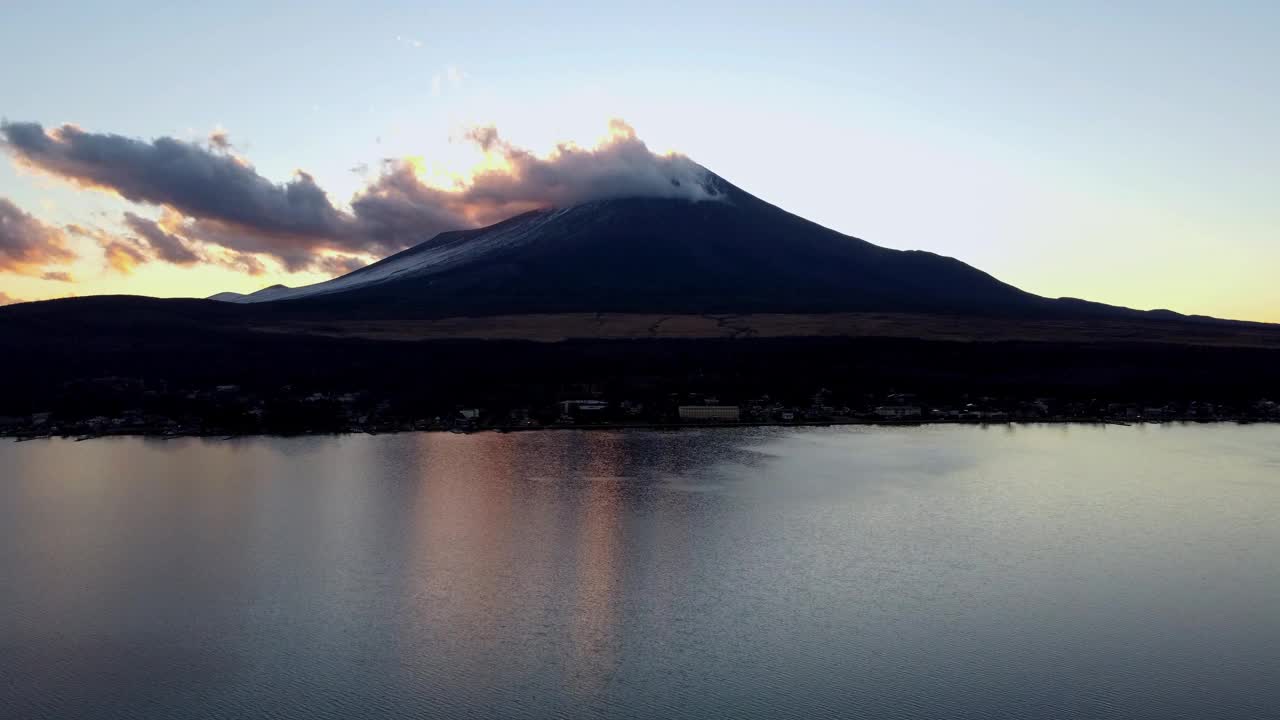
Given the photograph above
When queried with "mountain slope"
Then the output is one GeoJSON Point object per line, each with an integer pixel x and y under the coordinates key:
{"type": "Point", "coordinates": [736, 254]}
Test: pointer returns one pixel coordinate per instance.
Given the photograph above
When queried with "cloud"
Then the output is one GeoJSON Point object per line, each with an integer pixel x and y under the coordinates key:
{"type": "Point", "coordinates": [295, 253]}
{"type": "Point", "coordinates": [9, 299]}
{"type": "Point", "coordinates": [220, 140]}
{"type": "Point", "coordinates": [215, 199]}
{"type": "Point", "coordinates": [621, 166]}
{"type": "Point", "coordinates": [123, 257]}
{"type": "Point", "coordinates": [339, 264]}
{"type": "Point", "coordinates": [398, 209]}
{"type": "Point", "coordinates": [207, 183]}
{"type": "Point", "coordinates": [245, 263]}
{"type": "Point", "coordinates": [121, 254]}
{"type": "Point", "coordinates": [164, 246]}
{"type": "Point", "coordinates": [159, 241]}
{"type": "Point", "coordinates": [26, 244]}
{"type": "Point", "coordinates": [57, 277]}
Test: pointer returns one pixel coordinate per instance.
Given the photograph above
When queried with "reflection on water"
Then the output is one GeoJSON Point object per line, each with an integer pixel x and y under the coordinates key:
{"type": "Point", "coordinates": [593, 634]}
{"type": "Point", "coordinates": [856, 572]}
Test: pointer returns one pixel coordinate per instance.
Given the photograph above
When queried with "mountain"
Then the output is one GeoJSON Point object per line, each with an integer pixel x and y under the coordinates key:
{"type": "Point", "coordinates": [646, 299]}
{"type": "Point", "coordinates": [273, 292]}
{"type": "Point", "coordinates": [645, 268]}
{"type": "Point", "coordinates": [735, 254]}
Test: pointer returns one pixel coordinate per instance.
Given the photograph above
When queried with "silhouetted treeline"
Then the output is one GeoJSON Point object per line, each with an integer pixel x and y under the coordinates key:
{"type": "Point", "coordinates": [444, 374]}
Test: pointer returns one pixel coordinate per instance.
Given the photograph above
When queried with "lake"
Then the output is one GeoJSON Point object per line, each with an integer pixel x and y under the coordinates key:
{"type": "Point", "coordinates": [946, 571]}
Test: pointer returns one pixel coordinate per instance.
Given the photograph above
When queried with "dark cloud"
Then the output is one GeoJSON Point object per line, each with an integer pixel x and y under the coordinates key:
{"type": "Point", "coordinates": [57, 277]}
{"type": "Point", "coordinates": [228, 203]}
{"type": "Point", "coordinates": [164, 246]}
{"type": "Point", "coordinates": [397, 210]}
{"type": "Point", "coordinates": [26, 244]}
{"type": "Point", "coordinates": [218, 199]}
{"type": "Point", "coordinates": [200, 182]}
{"type": "Point", "coordinates": [296, 254]}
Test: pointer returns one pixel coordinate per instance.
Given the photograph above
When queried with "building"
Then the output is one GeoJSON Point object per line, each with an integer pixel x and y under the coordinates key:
{"type": "Point", "coordinates": [709, 412]}
{"type": "Point", "coordinates": [583, 411]}
{"type": "Point", "coordinates": [576, 407]}
{"type": "Point", "coordinates": [898, 411]}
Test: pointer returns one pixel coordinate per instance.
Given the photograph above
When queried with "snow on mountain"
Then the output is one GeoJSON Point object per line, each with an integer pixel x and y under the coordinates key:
{"type": "Point", "coordinates": [440, 253]}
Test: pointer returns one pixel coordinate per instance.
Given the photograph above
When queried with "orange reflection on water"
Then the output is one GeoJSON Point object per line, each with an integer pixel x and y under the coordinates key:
{"type": "Point", "coordinates": [594, 630]}
{"type": "Point", "coordinates": [461, 548]}
{"type": "Point", "coordinates": [511, 541]}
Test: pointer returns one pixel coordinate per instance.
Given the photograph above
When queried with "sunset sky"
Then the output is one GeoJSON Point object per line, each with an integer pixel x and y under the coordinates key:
{"type": "Point", "coordinates": [1127, 153]}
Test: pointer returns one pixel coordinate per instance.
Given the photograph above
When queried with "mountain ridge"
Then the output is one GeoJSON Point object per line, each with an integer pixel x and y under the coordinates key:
{"type": "Point", "coordinates": [734, 253]}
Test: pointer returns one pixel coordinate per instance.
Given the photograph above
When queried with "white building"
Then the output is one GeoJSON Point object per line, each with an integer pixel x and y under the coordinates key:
{"type": "Point", "coordinates": [709, 412]}
{"type": "Point", "coordinates": [898, 411]}
{"type": "Point", "coordinates": [573, 407]}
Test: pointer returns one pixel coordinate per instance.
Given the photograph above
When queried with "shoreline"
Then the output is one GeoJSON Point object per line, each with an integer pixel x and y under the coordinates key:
{"type": "Point", "coordinates": [502, 429]}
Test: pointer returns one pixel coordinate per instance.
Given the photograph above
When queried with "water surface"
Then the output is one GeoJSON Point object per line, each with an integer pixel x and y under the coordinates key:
{"type": "Point", "coordinates": [965, 572]}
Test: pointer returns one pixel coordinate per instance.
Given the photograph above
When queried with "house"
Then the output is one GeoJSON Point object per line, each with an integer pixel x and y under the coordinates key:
{"type": "Point", "coordinates": [710, 412]}
{"type": "Point", "coordinates": [898, 411]}
{"type": "Point", "coordinates": [575, 408]}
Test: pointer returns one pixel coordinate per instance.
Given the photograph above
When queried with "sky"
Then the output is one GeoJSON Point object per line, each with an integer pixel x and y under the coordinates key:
{"type": "Point", "coordinates": [1123, 152]}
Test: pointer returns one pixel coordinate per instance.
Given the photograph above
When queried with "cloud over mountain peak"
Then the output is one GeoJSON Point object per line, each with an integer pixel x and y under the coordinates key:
{"type": "Point", "coordinates": [222, 202]}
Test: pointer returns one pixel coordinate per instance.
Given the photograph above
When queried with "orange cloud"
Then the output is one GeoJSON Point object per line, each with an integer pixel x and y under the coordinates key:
{"type": "Point", "coordinates": [122, 257]}
{"type": "Point", "coordinates": [27, 245]}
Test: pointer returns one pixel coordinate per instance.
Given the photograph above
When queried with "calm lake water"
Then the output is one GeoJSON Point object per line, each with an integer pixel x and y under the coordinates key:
{"type": "Point", "coordinates": [960, 572]}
